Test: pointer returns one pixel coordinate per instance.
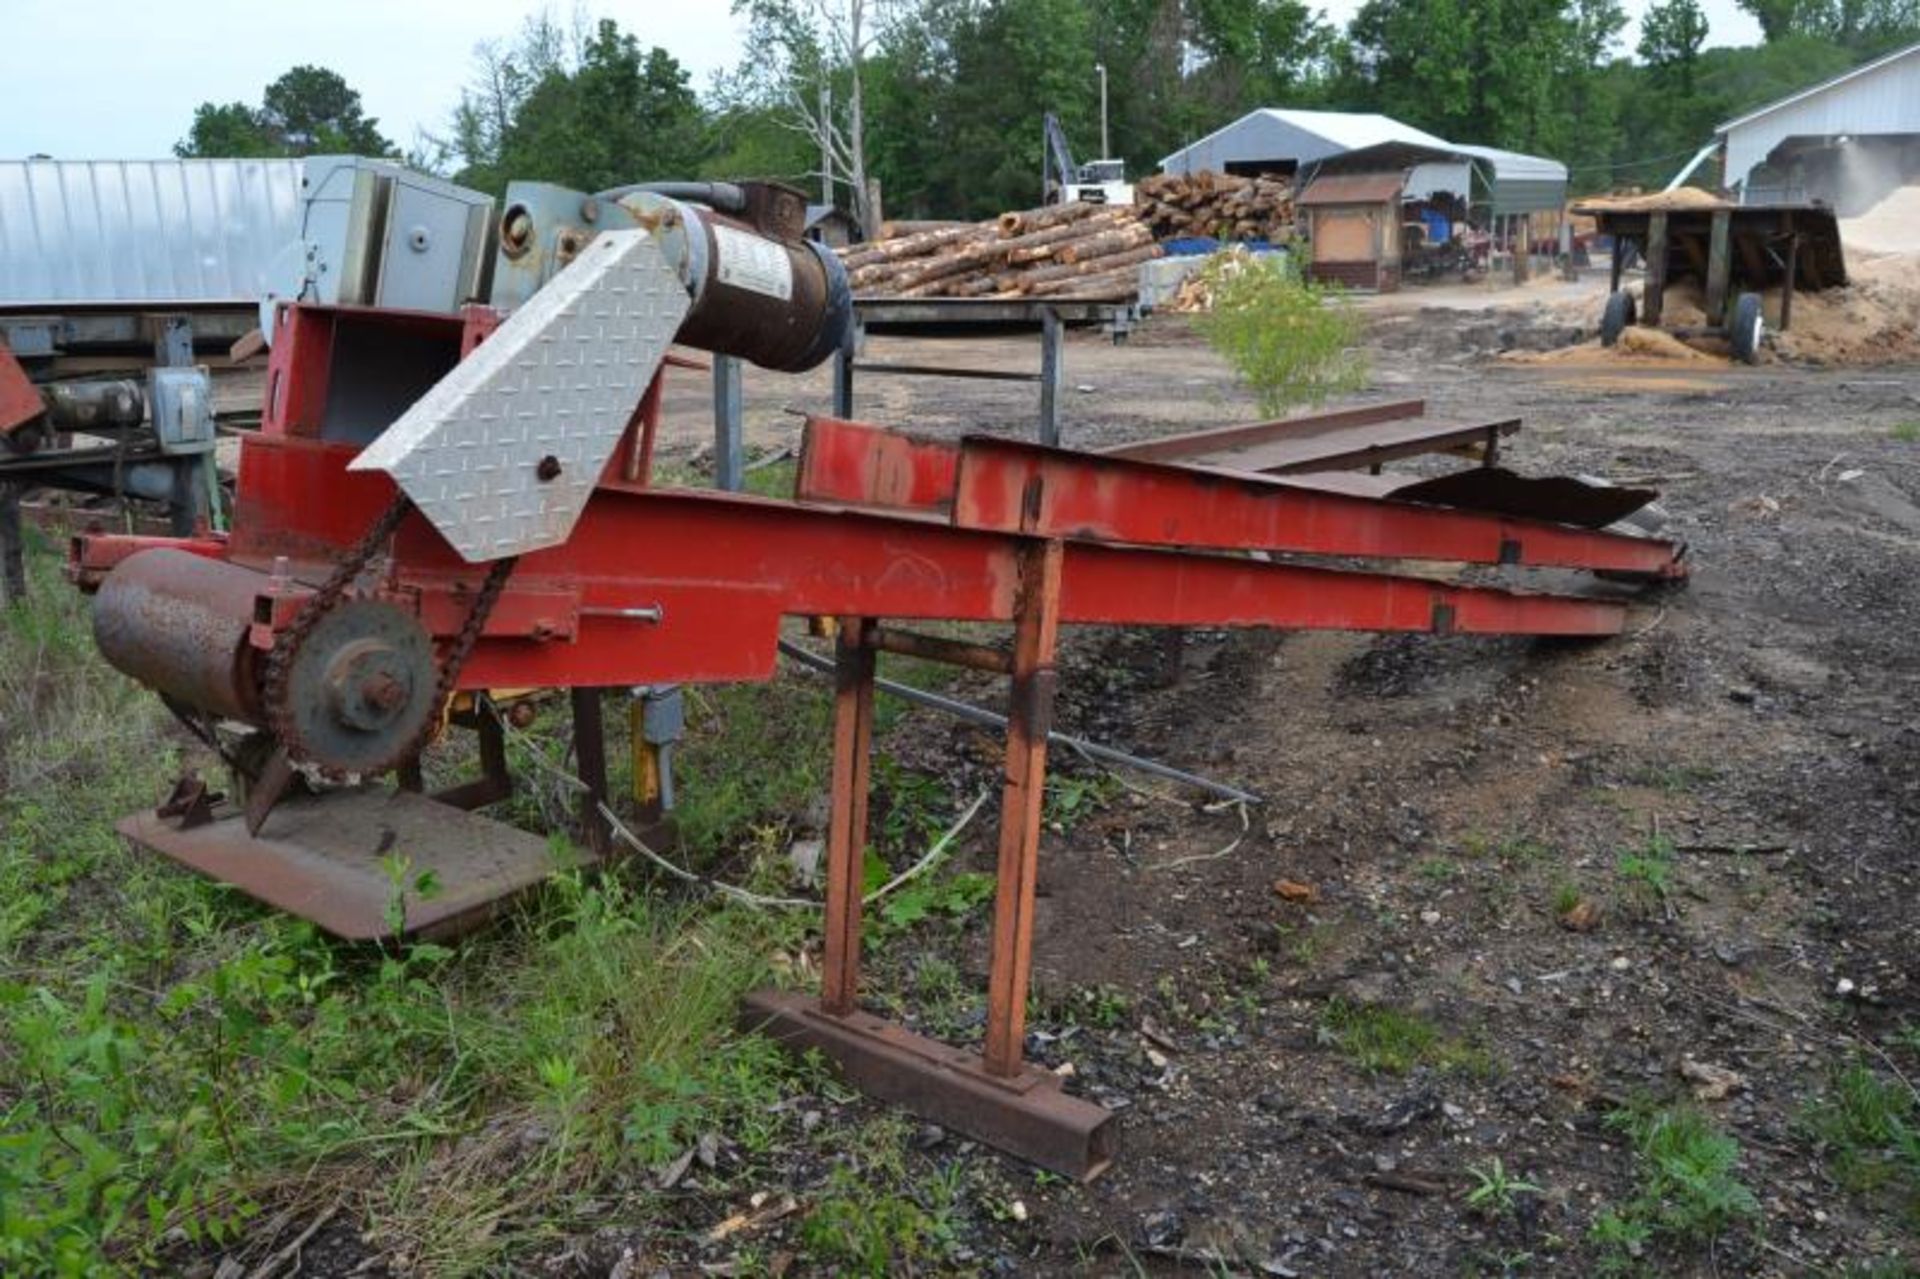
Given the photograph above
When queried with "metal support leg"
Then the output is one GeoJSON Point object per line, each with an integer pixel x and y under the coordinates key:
{"type": "Point", "coordinates": [847, 827]}
{"type": "Point", "coordinates": [729, 462]}
{"type": "Point", "coordinates": [1052, 338]}
{"type": "Point", "coordinates": [495, 782]}
{"type": "Point", "coordinates": [1719, 266]}
{"type": "Point", "coordinates": [188, 500]}
{"type": "Point", "coordinates": [13, 551]}
{"type": "Point", "coordinates": [1654, 296]}
{"type": "Point", "coordinates": [590, 752]}
{"type": "Point", "coordinates": [843, 372]}
{"type": "Point", "coordinates": [1791, 280]}
{"type": "Point", "coordinates": [1035, 640]}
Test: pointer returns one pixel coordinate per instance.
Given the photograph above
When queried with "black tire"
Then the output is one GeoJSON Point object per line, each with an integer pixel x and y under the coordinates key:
{"type": "Point", "coordinates": [1746, 328]}
{"type": "Point", "coordinates": [1620, 315]}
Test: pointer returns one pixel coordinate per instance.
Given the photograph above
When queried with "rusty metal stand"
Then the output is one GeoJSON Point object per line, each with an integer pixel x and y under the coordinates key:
{"type": "Point", "coordinates": [994, 1096]}
{"type": "Point", "coordinates": [590, 752]}
{"type": "Point", "coordinates": [495, 782]}
{"type": "Point", "coordinates": [847, 826]}
{"type": "Point", "coordinates": [1030, 716]}
{"type": "Point", "coordinates": [13, 559]}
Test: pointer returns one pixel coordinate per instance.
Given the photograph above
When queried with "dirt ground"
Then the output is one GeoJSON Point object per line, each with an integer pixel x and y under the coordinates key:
{"type": "Point", "coordinates": [1444, 799]}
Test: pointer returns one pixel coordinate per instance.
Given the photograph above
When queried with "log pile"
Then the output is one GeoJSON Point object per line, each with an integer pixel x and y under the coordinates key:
{"type": "Point", "coordinates": [1079, 251]}
{"type": "Point", "coordinates": [1221, 205]}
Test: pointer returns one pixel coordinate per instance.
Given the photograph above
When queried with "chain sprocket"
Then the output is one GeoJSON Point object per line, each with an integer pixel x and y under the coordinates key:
{"type": "Point", "coordinates": [283, 719]}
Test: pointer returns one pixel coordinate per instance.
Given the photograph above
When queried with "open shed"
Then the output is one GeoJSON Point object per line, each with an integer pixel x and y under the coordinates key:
{"type": "Point", "coordinates": [1353, 224]}
{"type": "Point", "coordinates": [1846, 142]}
{"type": "Point", "coordinates": [1289, 143]}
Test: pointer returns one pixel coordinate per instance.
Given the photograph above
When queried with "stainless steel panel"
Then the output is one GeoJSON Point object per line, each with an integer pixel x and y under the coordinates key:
{"type": "Point", "coordinates": [503, 453]}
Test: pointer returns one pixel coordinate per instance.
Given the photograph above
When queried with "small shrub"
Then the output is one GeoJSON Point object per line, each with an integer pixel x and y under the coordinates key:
{"type": "Point", "coordinates": [1291, 341]}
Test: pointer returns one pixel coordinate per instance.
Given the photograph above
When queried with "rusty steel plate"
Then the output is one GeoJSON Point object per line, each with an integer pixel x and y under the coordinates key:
{"type": "Point", "coordinates": [1561, 499]}
{"type": "Point", "coordinates": [1026, 1114]}
{"type": "Point", "coordinates": [326, 858]}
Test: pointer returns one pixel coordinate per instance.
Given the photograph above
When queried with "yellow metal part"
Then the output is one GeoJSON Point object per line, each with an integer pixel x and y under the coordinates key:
{"type": "Point", "coordinates": [646, 758]}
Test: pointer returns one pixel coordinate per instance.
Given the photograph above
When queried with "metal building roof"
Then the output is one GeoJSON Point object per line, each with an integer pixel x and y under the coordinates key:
{"type": "Point", "coordinates": [1876, 98]}
{"type": "Point", "coordinates": [1864, 69]}
{"type": "Point", "coordinates": [185, 232]}
{"type": "Point", "coordinates": [1353, 188]}
{"type": "Point", "coordinates": [1519, 183]}
{"type": "Point", "coordinates": [1275, 133]}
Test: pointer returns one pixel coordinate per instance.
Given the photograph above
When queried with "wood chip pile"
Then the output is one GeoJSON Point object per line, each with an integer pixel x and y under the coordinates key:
{"type": "Point", "coordinates": [1221, 205]}
{"type": "Point", "coordinates": [1080, 251]}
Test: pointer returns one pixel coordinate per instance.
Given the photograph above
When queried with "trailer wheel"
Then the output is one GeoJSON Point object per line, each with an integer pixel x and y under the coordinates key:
{"type": "Point", "coordinates": [1620, 315]}
{"type": "Point", "coordinates": [1745, 331]}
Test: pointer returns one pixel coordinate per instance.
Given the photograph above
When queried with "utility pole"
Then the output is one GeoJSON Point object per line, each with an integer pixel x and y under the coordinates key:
{"type": "Point", "coordinates": [1106, 152]}
{"type": "Point", "coordinates": [826, 142]}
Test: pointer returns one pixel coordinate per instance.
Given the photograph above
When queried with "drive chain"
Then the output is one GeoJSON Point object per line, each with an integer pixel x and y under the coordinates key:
{"type": "Point", "coordinates": [286, 645]}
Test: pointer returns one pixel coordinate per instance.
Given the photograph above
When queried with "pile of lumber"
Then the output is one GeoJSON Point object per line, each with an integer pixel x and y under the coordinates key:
{"type": "Point", "coordinates": [1083, 251]}
{"type": "Point", "coordinates": [1221, 205]}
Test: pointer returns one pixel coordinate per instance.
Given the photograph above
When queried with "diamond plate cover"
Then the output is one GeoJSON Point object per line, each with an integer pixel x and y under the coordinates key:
{"type": "Point", "coordinates": [559, 379]}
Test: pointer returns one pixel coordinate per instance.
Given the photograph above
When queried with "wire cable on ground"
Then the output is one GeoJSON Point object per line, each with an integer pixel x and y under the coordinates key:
{"type": "Point", "coordinates": [990, 719]}
{"type": "Point", "coordinates": [732, 892]}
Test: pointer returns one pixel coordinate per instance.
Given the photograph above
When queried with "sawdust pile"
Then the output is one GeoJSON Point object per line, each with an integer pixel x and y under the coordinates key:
{"type": "Point", "coordinates": [1891, 226]}
{"type": "Point", "coordinates": [1653, 201]}
{"type": "Point", "coordinates": [1874, 320]}
{"type": "Point", "coordinates": [1637, 346]}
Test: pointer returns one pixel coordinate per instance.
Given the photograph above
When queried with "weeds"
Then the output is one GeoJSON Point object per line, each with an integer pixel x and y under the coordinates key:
{"type": "Point", "coordinates": [1389, 1041]}
{"type": "Point", "coordinates": [183, 1060]}
{"type": "Point", "coordinates": [1495, 1191]}
{"type": "Point", "coordinates": [1870, 1131]}
{"type": "Point", "coordinates": [1648, 872]}
{"type": "Point", "coordinates": [1688, 1190]}
{"type": "Point", "coordinates": [1905, 432]}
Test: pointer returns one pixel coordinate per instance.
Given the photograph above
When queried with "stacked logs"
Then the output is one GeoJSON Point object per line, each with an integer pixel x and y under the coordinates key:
{"type": "Point", "coordinates": [1221, 205]}
{"type": "Point", "coordinates": [1084, 251]}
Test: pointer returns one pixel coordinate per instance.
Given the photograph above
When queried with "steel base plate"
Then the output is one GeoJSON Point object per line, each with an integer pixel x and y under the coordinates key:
{"type": "Point", "coordinates": [1027, 1115]}
{"type": "Point", "coordinates": [325, 858]}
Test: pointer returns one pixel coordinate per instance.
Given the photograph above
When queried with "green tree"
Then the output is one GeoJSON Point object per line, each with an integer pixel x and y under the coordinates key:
{"type": "Point", "coordinates": [308, 111]}
{"type": "Point", "coordinates": [807, 62]}
{"type": "Point", "coordinates": [1671, 34]}
{"type": "Point", "coordinates": [1864, 27]}
{"type": "Point", "coordinates": [606, 114]}
{"type": "Point", "coordinates": [1512, 73]}
{"type": "Point", "coordinates": [1780, 18]}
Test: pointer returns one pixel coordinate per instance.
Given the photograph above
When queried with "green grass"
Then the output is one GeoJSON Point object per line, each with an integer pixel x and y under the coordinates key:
{"type": "Point", "coordinates": [1384, 1040]}
{"type": "Point", "coordinates": [1688, 1191]}
{"type": "Point", "coordinates": [177, 1064]}
{"type": "Point", "coordinates": [1647, 871]}
{"type": "Point", "coordinates": [1905, 432]}
{"type": "Point", "coordinates": [1868, 1126]}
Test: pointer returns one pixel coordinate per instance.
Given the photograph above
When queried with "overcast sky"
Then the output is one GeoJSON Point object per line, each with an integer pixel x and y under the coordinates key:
{"type": "Point", "coordinates": [119, 79]}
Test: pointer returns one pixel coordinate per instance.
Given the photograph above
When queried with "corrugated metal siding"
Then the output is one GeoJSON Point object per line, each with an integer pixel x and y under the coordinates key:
{"type": "Point", "coordinates": [1883, 100]}
{"type": "Point", "coordinates": [146, 231]}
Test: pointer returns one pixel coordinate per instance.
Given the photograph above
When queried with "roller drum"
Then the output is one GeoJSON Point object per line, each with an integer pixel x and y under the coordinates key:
{"type": "Point", "coordinates": [178, 623]}
{"type": "Point", "coordinates": [780, 304]}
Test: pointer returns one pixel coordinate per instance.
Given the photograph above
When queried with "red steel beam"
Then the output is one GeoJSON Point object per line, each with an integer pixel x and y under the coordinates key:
{"type": "Point", "coordinates": [1007, 486]}
{"type": "Point", "coordinates": [1220, 438]}
{"type": "Point", "coordinates": [1011, 486]}
{"type": "Point", "coordinates": [722, 569]}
